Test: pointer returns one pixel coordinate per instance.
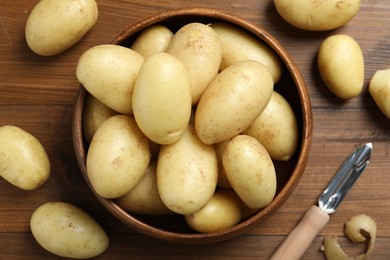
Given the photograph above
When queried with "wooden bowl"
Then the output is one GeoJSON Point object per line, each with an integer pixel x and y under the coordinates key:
{"type": "Point", "coordinates": [173, 228]}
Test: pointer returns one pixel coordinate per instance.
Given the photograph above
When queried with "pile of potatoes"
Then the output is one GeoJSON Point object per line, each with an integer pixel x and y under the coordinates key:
{"type": "Point", "coordinates": [186, 122]}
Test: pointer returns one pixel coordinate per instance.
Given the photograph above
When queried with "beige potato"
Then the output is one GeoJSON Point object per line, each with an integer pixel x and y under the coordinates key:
{"type": "Point", "coordinates": [66, 230]}
{"type": "Point", "coordinates": [162, 98]}
{"type": "Point", "coordinates": [232, 101]}
{"type": "Point", "coordinates": [222, 180]}
{"type": "Point", "coordinates": [54, 26]}
{"type": "Point", "coordinates": [238, 45]}
{"type": "Point", "coordinates": [187, 173]}
{"type": "Point", "coordinates": [198, 47]}
{"type": "Point", "coordinates": [118, 157]}
{"type": "Point", "coordinates": [317, 15]}
{"type": "Point", "coordinates": [341, 65]}
{"type": "Point", "coordinates": [23, 160]}
{"type": "Point", "coordinates": [153, 39]}
{"type": "Point", "coordinates": [224, 210]}
{"type": "Point", "coordinates": [379, 89]}
{"type": "Point", "coordinates": [109, 72]}
{"type": "Point", "coordinates": [250, 171]}
{"type": "Point", "coordinates": [276, 129]}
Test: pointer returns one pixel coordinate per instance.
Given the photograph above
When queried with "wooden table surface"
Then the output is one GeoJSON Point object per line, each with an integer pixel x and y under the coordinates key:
{"type": "Point", "coordinates": [37, 94]}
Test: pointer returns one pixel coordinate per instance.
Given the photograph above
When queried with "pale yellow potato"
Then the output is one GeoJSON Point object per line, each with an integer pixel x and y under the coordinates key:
{"type": "Point", "coordinates": [153, 39]}
{"type": "Point", "coordinates": [238, 45]}
{"type": "Point", "coordinates": [66, 230]}
{"type": "Point", "coordinates": [162, 98]}
{"type": "Point", "coordinates": [187, 173]}
{"type": "Point", "coordinates": [317, 15]}
{"type": "Point", "coordinates": [23, 160]}
{"type": "Point", "coordinates": [232, 101]}
{"type": "Point", "coordinates": [222, 180]}
{"type": "Point", "coordinates": [379, 89]}
{"type": "Point", "coordinates": [144, 197]}
{"type": "Point", "coordinates": [250, 171]}
{"type": "Point", "coordinates": [224, 210]}
{"type": "Point", "coordinates": [341, 65]}
{"type": "Point", "coordinates": [109, 72]}
{"type": "Point", "coordinates": [198, 47]}
{"type": "Point", "coordinates": [276, 129]}
{"type": "Point", "coordinates": [54, 26]}
{"type": "Point", "coordinates": [118, 157]}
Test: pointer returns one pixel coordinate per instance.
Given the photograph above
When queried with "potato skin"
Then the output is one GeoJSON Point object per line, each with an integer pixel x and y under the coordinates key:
{"type": "Point", "coordinates": [379, 89]}
{"type": "Point", "coordinates": [155, 38]}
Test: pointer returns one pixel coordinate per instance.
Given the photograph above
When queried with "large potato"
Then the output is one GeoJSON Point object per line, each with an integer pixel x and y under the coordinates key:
{"type": "Point", "coordinates": [238, 45]}
{"type": "Point", "coordinates": [187, 173]}
{"type": "Point", "coordinates": [232, 101]}
{"type": "Point", "coordinates": [317, 15]}
{"type": "Point", "coordinates": [23, 160]}
{"type": "Point", "coordinates": [109, 72]}
{"type": "Point", "coordinates": [379, 89]}
{"type": "Point", "coordinates": [54, 26]}
{"type": "Point", "coordinates": [199, 48]}
{"type": "Point", "coordinates": [276, 129]}
{"type": "Point", "coordinates": [341, 65]}
{"type": "Point", "coordinates": [65, 230]}
{"type": "Point", "coordinates": [154, 38]}
{"type": "Point", "coordinates": [162, 98]}
{"type": "Point", "coordinates": [250, 171]}
{"type": "Point", "coordinates": [118, 157]}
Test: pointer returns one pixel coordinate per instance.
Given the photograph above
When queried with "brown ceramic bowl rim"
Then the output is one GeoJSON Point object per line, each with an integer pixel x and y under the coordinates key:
{"type": "Point", "coordinates": [284, 193]}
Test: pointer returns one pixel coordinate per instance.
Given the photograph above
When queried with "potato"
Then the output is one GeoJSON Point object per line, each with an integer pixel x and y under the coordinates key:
{"type": "Point", "coordinates": [65, 230]}
{"type": "Point", "coordinates": [317, 15]}
{"type": "Point", "coordinates": [341, 65]}
{"type": "Point", "coordinates": [276, 129]}
{"type": "Point", "coordinates": [187, 173]}
{"type": "Point", "coordinates": [224, 210]}
{"type": "Point", "coordinates": [109, 72]}
{"type": "Point", "coordinates": [118, 157]}
{"type": "Point", "coordinates": [199, 48]}
{"type": "Point", "coordinates": [379, 89]}
{"type": "Point", "coordinates": [144, 197]}
{"type": "Point", "coordinates": [232, 101]}
{"type": "Point", "coordinates": [23, 161]}
{"type": "Point", "coordinates": [154, 38]}
{"type": "Point", "coordinates": [250, 171]}
{"type": "Point", "coordinates": [54, 26]}
{"type": "Point", "coordinates": [222, 180]}
{"type": "Point", "coordinates": [238, 45]}
{"type": "Point", "coordinates": [162, 98]}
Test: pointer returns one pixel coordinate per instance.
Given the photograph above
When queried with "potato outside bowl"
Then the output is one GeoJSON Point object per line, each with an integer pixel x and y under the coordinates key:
{"type": "Point", "coordinates": [291, 86]}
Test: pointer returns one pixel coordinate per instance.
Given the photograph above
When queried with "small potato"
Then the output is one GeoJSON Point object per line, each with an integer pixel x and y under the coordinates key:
{"type": "Point", "coordinates": [65, 230]}
{"type": "Point", "coordinates": [276, 129]}
{"type": "Point", "coordinates": [109, 72]}
{"type": "Point", "coordinates": [232, 101]}
{"type": "Point", "coordinates": [153, 39]}
{"type": "Point", "coordinates": [23, 160]}
{"type": "Point", "coordinates": [118, 157]}
{"type": "Point", "coordinates": [341, 65]}
{"type": "Point", "coordinates": [317, 15]}
{"type": "Point", "coordinates": [222, 180]}
{"type": "Point", "coordinates": [250, 171]}
{"type": "Point", "coordinates": [224, 210]}
{"type": "Point", "coordinates": [379, 89]}
{"type": "Point", "coordinates": [54, 26]}
{"type": "Point", "coordinates": [238, 45]}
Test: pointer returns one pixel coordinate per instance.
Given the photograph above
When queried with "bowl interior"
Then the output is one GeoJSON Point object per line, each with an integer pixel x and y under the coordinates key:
{"type": "Point", "coordinates": [173, 227]}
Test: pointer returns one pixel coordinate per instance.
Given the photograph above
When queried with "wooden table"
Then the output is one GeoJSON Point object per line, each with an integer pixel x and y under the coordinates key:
{"type": "Point", "coordinates": [37, 94]}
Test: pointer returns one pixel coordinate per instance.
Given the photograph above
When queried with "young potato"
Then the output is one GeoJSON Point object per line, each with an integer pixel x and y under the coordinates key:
{"type": "Point", "coordinates": [54, 26]}
{"type": "Point", "coordinates": [341, 65]}
{"type": "Point", "coordinates": [153, 39]}
{"type": "Point", "coordinates": [66, 230]}
{"type": "Point", "coordinates": [199, 48]}
{"type": "Point", "coordinates": [118, 157]}
{"type": "Point", "coordinates": [238, 45]}
{"type": "Point", "coordinates": [109, 72]}
{"type": "Point", "coordinates": [276, 128]}
{"type": "Point", "coordinates": [317, 15]}
{"type": "Point", "coordinates": [23, 160]}
{"type": "Point", "coordinates": [250, 171]}
{"type": "Point", "coordinates": [379, 89]}
{"type": "Point", "coordinates": [222, 180]}
{"type": "Point", "coordinates": [232, 101]}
